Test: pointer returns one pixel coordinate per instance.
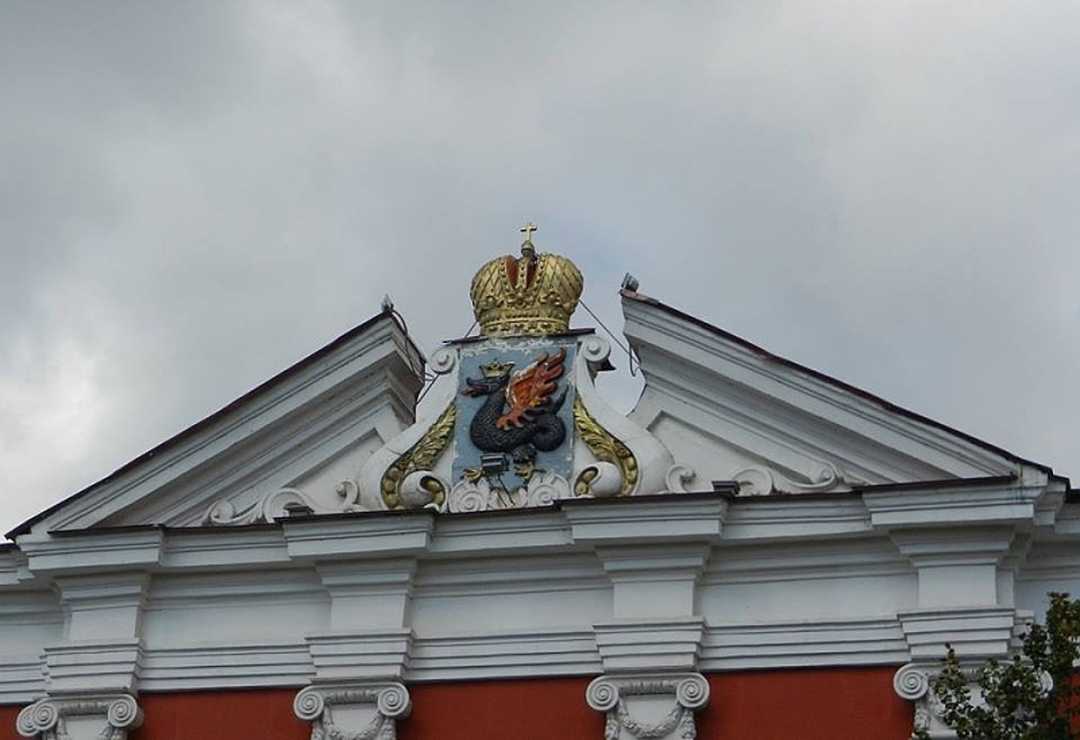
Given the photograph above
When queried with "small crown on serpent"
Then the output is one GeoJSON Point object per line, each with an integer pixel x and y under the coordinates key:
{"type": "Point", "coordinates": [496, 369]}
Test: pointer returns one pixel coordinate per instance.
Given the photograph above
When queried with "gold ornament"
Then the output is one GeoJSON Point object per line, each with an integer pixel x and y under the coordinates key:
{"type": "Point", "coordinates": [421, 456]}
{"type": "Point", "coordinates": [606, 448]}
{"type": "Point", "coordinates": [531, 295]}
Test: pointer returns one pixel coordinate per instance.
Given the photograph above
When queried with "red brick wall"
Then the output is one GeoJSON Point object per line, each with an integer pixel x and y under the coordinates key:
{"type": "Point", "coordinates": [226, 715]}
{"type": "Point", "coordinates": [818, 704]}
{"type": "Point", "coordinates": [7, 723]}
{"type": "Point", "coordinates": [812, 704]}
{"type": "Point", "coordinates": [541, 709]}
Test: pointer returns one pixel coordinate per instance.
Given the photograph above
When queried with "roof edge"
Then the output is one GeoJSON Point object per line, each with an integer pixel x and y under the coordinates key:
{"type": "Point", "coordinates": [384, 315]}
{"type": "Point", "coordinates": [885, 405]}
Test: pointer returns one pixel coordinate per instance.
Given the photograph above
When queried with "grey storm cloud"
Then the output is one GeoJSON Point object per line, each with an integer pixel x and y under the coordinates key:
{"type": "Point", "coordinates": [195, 195]}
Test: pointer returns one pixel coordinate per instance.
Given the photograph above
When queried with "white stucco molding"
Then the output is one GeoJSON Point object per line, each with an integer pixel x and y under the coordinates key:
{"type": "Point", "coordinates": [368, 655]}
{"type": "Point", "coordinates": [93, 551]}
{"type": "Point", "coordinates": [706, 388]}
{"type": "Point", "coordinates": [353, 710]}
{"type": "Point", "coordinates": [90, 717]}
{"type": "Point", "coordinates": [758, 594]}
{"type": "Point", "coordinates": [649, 705]}
{"type": "Point", "coordinates": [93, 666]}
{"type": "Point", "coordinates": [368, 594]}
{"type": "Point", "coordinates": [102, 650]}
{"type": "Point", "coordinates": [974, 632]}
{"type": "Point", "coordinates": [372, 368]}
{"type": "Point", "coordinates": [653, 459]}
{"type": "Point", "coordinates": [966, 540]}
{"type": "Point", "coordinates": [440, 396]}
{"type": "Point", "coordinates": [643, 519]}
{"type": "Point", "coordinates": [999, 500]}
{"type": "Point", "coordinates": [635, 645]}
{"type": "Point", "coordinates": [654, 582]}
{"type": "Point", "coordinates": [380, 535]}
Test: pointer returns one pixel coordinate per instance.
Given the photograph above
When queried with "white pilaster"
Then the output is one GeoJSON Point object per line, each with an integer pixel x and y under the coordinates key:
{"type": "Point", "coordinates": [965, 543]}
{"type": "Point", "coordinates": [654, 555]}
{"type": "Point", "coordinates": [367, 567]}
{"type": "Point", "coordinates": [103, 627]}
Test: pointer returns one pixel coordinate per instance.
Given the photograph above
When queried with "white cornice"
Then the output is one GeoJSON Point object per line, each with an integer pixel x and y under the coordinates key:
{"type": "Point", "coordinates": [944, 504]}
{"type": "Point", "coordinates": [764, 572]}
{"type": "Point", "coordinates": [22, 679]}
{"type": "Point", "coordinates": [653, 518]}
{"type": "Point", "coordinates": [93, 551]}
{"type": "Point", "coordinates": [554, 651]}
{"type": "Point", "coordinates": [225, 547]}
{"type": "Point", "coordinates": [350, 536]}
{"type": "Point", "coordinates": [245, 666]}
{"type": "Point", "coordinates": [374, 354]}
{"type": "Point", "coordinates": [734, 383]}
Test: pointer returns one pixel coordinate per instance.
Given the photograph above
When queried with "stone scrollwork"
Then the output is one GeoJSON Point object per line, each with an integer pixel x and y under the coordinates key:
{"type": "Point", "coordinates": [409, 483]}
{"type": "Point", "coordinates": [607, 448]}
{"type": "Point", "coordinates": [47, 719]}
{"type": "Point", "coordinates": [276, 504]}
{"type": "Point", "coordinates": [614, 696]}
{"type": "Point", "coordinates": [268, 508]}
{"type": "Point", "coordinates": [384, 704]}
{"type": "Point", "coordinates": [599, 480]}
{"type": "Point", "coordinates": [911, 682]}
{"type": "Point", "coordinates": [544, 489]}
{"type": "Point", "coordinates": [760, 481]}
{"type": "Point", "coordinates": [678, 477]}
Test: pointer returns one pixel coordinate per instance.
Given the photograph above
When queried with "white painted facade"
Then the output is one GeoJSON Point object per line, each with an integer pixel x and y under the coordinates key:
{"type": "Point", "coordinates": [843, 532]}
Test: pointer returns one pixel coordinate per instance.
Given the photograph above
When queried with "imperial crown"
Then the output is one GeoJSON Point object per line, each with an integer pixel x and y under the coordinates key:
{"type": "Point", "coordinates": [531, 295]}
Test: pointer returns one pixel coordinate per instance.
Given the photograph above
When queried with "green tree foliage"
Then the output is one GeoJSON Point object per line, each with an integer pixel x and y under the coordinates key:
{"type": "Point", "coordinates": [1019, 703]}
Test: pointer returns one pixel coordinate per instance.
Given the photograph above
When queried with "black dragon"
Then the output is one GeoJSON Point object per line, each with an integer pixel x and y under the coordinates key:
{"type": "Point", "coordinates": [520, 416]}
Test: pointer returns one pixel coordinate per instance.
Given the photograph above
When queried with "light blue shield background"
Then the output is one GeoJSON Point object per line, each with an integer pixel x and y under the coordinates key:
{"type": "Point", "coordinates": [520, 352]}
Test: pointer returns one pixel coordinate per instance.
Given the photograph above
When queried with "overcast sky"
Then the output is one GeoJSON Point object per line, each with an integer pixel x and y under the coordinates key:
{"type": "Point", "coordinates": [195, 195]}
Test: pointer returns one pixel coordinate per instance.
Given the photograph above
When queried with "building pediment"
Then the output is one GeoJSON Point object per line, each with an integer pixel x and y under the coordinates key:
{"type": "Point", "coordinates": [337, 433]}
{"type": "Point", "coordinates": [307, 428]}
{"type": "Point", "coordinates": [729, 410]}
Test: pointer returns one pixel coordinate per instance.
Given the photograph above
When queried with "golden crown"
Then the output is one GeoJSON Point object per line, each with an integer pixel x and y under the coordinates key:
{"type": "Point", "coordinates": [496, 369]}
{"type": "Point", "coordinates": [530, 295]}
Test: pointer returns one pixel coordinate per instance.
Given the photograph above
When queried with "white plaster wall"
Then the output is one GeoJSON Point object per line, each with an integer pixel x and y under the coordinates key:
{"type": "Point", "coordinates": [800, 582]}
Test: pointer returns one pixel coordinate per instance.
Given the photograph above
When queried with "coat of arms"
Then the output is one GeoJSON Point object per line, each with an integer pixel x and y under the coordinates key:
{"type": "Point", "coordinates": [517, 401]}
{"type": "Point", "coordinates": [521, 423]}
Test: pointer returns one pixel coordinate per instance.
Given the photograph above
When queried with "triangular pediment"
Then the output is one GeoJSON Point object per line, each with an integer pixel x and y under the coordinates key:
{"type": "Point", "coordinates": [305, 429]}
{"type": "Point", "coordinates": [729, 410]}
{"type": "Point", "coordinates": [717, 408]}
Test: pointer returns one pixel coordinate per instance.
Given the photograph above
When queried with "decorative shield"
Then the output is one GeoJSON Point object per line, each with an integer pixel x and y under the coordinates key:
{"type": "Point", "coordinates": [515, 406]}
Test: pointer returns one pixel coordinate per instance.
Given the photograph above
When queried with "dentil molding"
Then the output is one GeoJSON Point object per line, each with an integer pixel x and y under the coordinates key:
{"type": "Point", "coordinates": [654, 706]}
{"type": "Point", "coordinates": [81, 718]}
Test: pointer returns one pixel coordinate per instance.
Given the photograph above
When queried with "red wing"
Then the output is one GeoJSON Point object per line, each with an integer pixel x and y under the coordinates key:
{"type": "Point", "coordinates": [531, 388]}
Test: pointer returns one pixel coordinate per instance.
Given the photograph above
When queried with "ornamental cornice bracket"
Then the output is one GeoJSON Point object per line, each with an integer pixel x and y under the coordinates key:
{"type": "Point", "coordinates": [99, 717]}
{"type": "Point", "coordinates": [649, 705]}
{"type": "Point", "coordinates": [365, 710]}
